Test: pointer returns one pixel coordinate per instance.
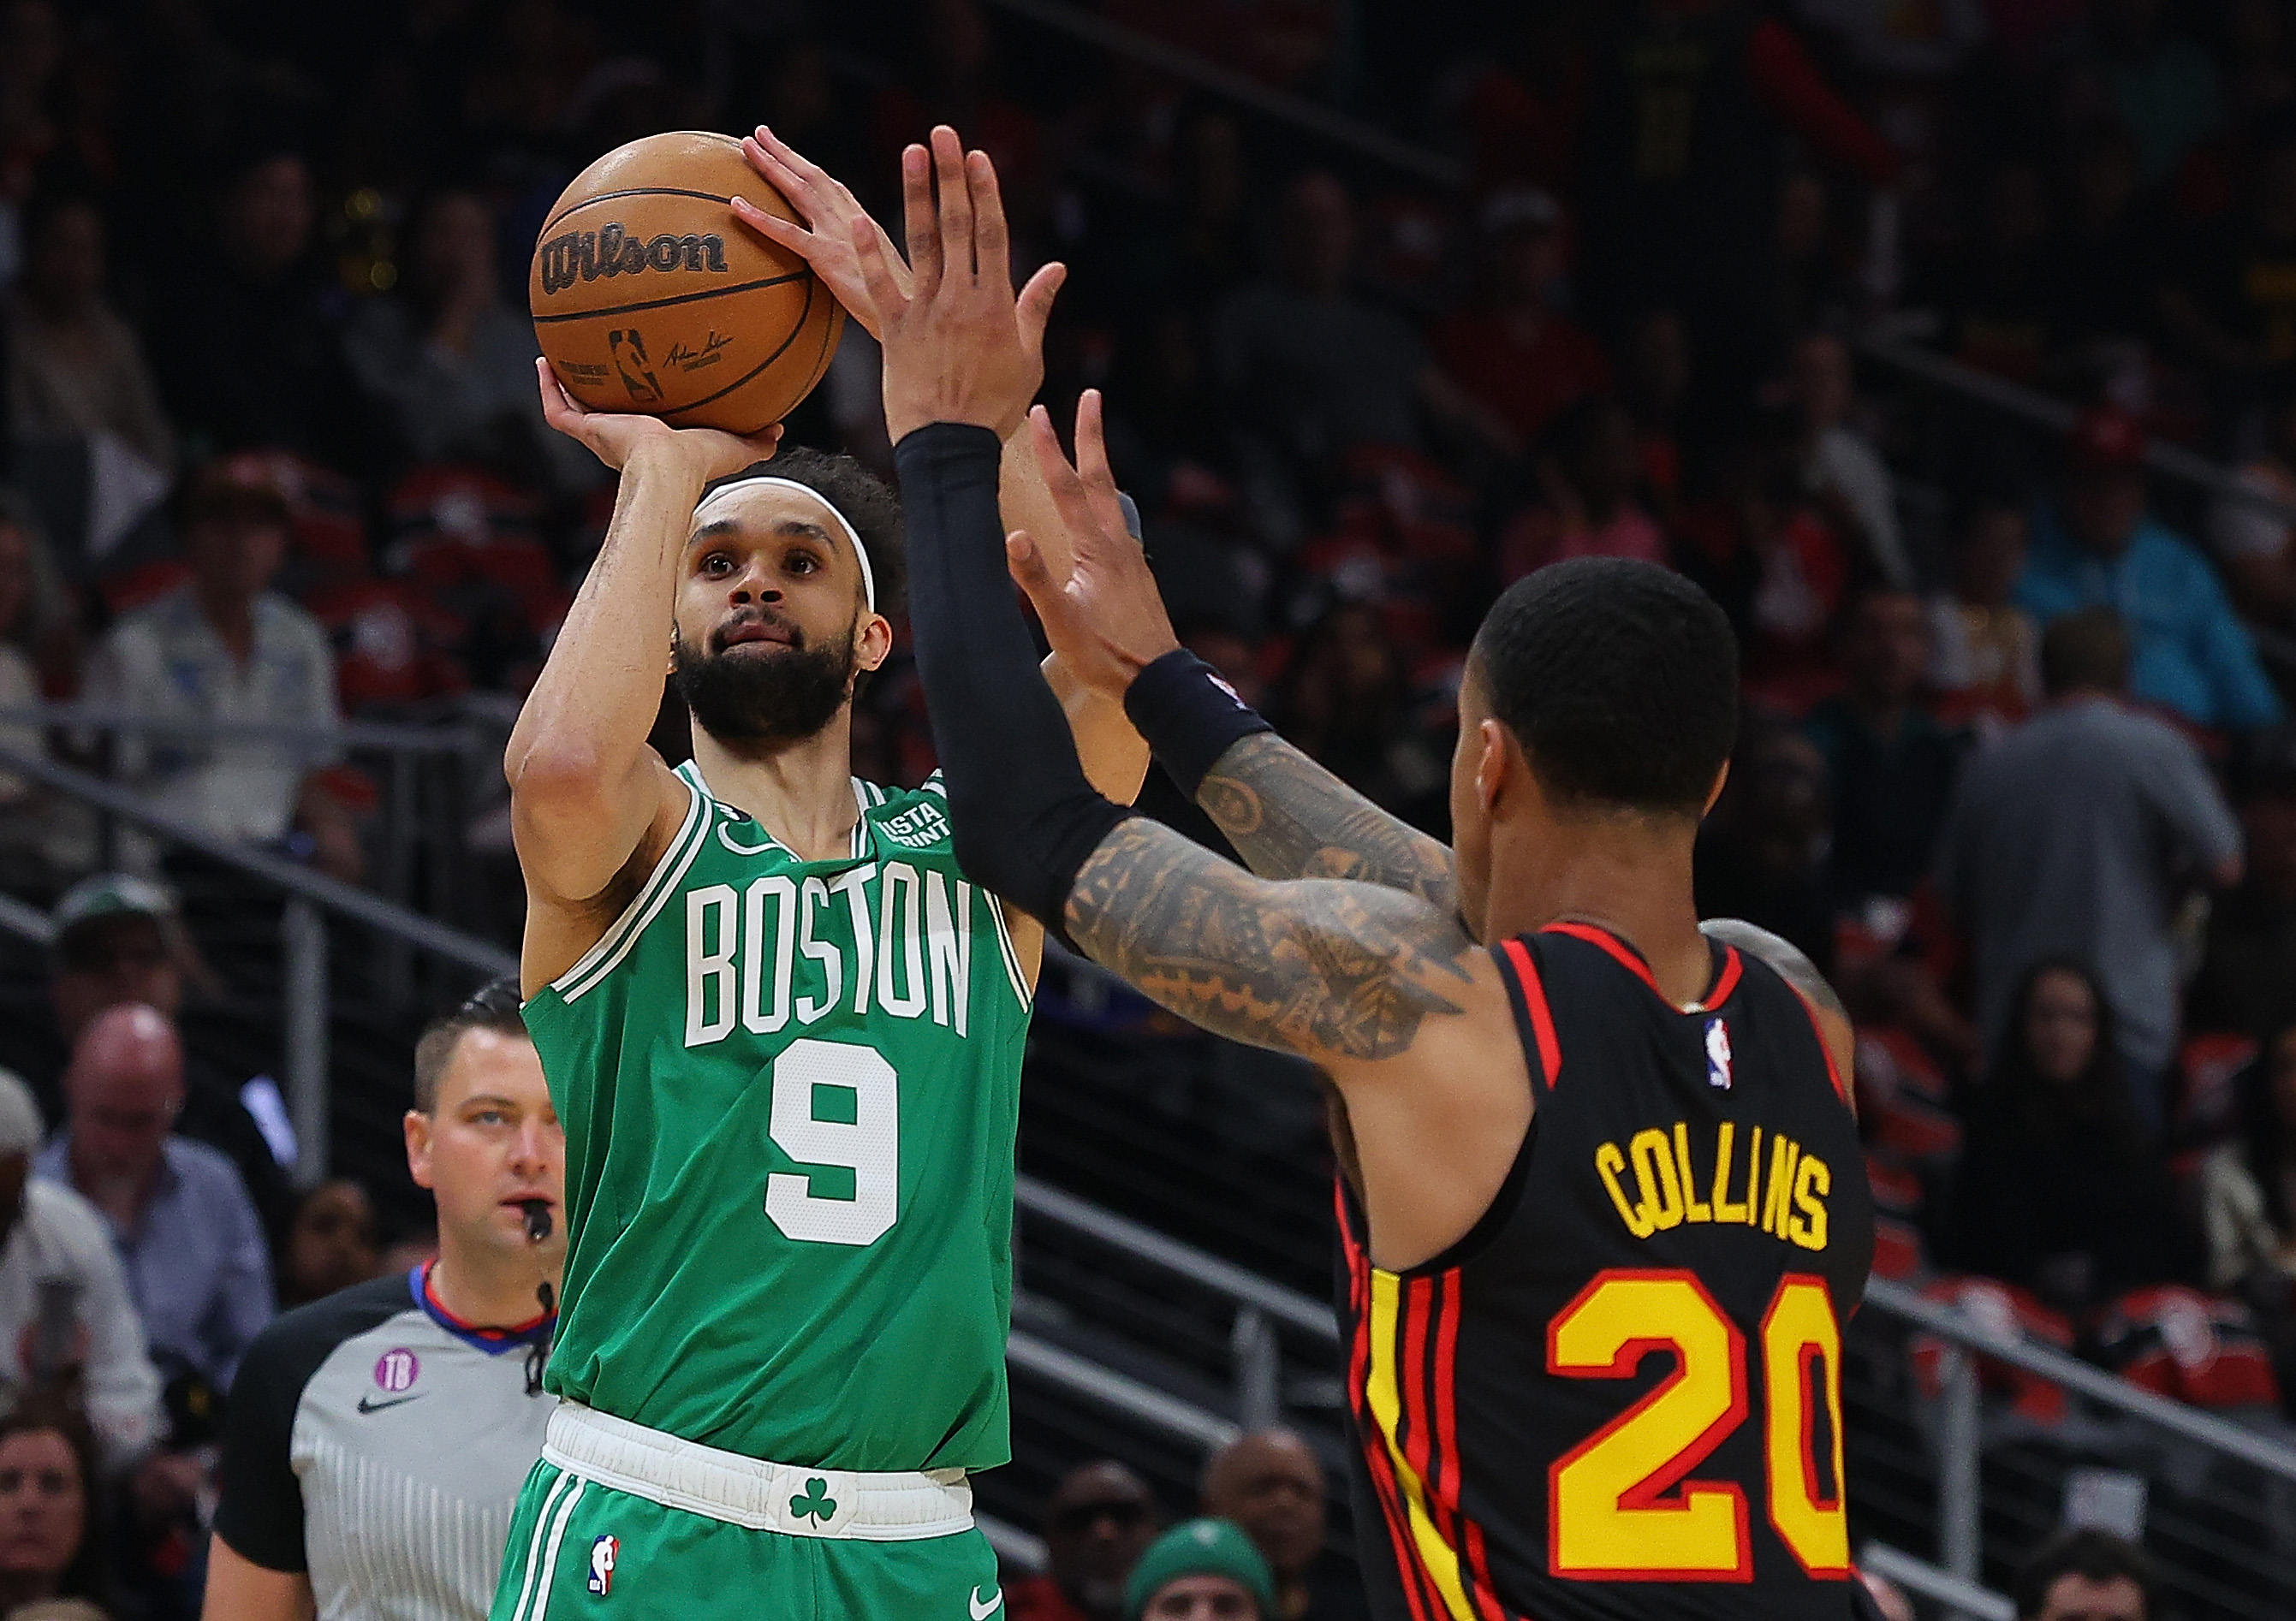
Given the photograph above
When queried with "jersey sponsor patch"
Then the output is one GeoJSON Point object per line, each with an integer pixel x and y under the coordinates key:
{"type": "Point", "coordinates": [918, 828]}
{"type": "Point", "coordinates": [603, 1553]}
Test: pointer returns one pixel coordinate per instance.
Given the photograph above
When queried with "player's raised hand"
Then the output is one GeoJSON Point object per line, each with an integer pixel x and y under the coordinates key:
{"type": "Point", "coordinates": [1107, 620]}
{"type": "Point", "coordinates": [831, 214]}
{"type": "Point", "coordinates": [959, 346]}
{"type": "Point", "coordinates": [616, 438]}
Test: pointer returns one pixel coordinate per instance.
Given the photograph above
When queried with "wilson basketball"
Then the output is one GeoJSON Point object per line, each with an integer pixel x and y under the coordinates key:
{"type": "Point", "coordinates": [650, 297]}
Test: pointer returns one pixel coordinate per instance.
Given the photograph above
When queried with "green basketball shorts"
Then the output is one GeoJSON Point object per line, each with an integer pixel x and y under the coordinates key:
{"type": "Point", "coordinates": [622, 1523]}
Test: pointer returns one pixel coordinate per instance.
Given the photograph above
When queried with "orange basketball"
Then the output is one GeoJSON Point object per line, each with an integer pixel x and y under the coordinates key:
{"type": "Point", "coordinates": [649, 296]}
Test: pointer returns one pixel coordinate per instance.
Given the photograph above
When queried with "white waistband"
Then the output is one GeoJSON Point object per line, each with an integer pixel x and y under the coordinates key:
{"type": "Point", "coordinates": [786, 1497]}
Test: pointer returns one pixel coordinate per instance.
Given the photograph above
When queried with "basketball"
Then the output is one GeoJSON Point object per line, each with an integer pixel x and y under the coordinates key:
{"type": "Point", "coordinates": [650, 297]}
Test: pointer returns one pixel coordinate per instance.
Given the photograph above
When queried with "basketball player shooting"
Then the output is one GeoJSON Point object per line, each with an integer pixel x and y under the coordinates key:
{"type": "Point", "coordinates": [784, 1028]}
{"type": "Point", "coordinates": [1602, 1200]}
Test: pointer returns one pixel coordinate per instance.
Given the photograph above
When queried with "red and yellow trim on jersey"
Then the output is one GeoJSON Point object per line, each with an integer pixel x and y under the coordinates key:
{"type": "Point", "coordinates": [1401, 1383]}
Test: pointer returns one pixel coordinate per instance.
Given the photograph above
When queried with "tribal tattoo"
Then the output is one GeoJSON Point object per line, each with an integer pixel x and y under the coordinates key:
{"type": "Point", "coordinates": [1288, 817]}
{"type": "Point", "coordinates": [1323, 969]}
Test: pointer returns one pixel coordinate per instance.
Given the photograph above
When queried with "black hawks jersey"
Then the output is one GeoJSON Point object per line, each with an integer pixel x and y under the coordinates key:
{"type": "Point", "coordinates": [1620, 1396]}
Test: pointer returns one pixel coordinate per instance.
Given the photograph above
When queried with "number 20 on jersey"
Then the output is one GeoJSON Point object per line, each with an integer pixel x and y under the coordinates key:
{"type": "Point", "coordinates": [1608, 1516]}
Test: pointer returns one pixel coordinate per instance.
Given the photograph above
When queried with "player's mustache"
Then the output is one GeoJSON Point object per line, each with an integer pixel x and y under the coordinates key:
{"type": "Point", "coordinates": [757, 616]}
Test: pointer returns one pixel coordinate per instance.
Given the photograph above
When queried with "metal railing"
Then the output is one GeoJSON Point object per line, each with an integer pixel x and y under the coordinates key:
{"type": "Point", "coordinates": [423, 777]}
{"type": "Point", "coordinates": [309, 896]}
{"type": "Point", "coordinates": [1926, 1581]}
{"type": "Point", "coordinates": [1260, 1308]}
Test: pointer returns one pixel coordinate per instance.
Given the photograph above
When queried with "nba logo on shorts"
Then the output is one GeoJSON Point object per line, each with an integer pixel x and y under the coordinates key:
{"type": "Point", "coordinates": [1717, 1053]}
{"type": "Point", "coordinates": [601, 1564]}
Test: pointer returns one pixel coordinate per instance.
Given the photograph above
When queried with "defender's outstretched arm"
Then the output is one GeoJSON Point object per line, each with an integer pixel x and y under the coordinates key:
{"type": "Point", "coordinates": [1287, 816]}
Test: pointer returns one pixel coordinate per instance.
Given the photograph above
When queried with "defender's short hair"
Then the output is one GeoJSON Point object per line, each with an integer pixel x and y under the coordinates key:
{"type": "Point", "coordinates": [493, 1006]}
{"type": "Point", "coordinates": [1618, 678]}
{"type": "Point", "coordinates": [868, 503]}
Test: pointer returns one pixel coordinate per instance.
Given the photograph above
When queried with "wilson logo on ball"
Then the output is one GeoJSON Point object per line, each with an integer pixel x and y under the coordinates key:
{"type": "Point", "coordinates": [611, 250]}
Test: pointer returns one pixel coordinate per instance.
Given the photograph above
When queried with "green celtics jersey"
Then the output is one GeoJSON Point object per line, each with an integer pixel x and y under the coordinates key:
{"type": "Point", "coordinates": [790, 1091]}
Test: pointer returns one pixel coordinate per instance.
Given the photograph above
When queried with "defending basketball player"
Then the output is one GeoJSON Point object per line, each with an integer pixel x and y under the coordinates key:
{"type": "Point", "coordinates": [1603, 1201]}
{"type": "Point", "coordinates": [783, 1029]}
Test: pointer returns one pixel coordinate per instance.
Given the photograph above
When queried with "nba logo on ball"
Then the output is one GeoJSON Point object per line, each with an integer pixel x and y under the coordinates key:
{"type": "Point", "coordinates": [601, 1564]}
{"type": "Point", "coordinates": [1717, 1054]}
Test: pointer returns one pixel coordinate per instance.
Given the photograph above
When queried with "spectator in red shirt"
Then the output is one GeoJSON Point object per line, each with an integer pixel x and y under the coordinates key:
{"type": "Point", "coordinates": [1100, 1520]}
{"type": "Point", "coordinates": [1511, 351]}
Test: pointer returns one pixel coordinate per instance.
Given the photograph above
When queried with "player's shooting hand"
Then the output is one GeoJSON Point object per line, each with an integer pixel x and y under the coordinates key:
{"type": "Point", "coordinates": [831, 214]}
{"type": "Point", "coordinates": [1107, 620]}
{"type": "Point", "coordinates": [959, 347]}
{"type": "Point", "coordinates": [618, 438]}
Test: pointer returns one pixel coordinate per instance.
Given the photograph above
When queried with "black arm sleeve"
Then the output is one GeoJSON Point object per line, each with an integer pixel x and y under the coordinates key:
{"type": "Point", "coordinates": [259, 1512]}
{"type": "Point", "coordinates": [1023, 815]}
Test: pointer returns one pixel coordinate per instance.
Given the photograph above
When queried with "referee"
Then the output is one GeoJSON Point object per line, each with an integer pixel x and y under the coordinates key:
{"type": "Point", "coordinates": [376, 1439]}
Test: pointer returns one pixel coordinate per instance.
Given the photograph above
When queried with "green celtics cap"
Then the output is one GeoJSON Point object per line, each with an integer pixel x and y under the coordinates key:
{"type": "Point", "coordinates": [1200, 1547]}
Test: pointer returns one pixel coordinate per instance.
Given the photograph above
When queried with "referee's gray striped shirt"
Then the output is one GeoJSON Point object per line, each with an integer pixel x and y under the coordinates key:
{"type": "Point", "coordinates": [377, 1443]}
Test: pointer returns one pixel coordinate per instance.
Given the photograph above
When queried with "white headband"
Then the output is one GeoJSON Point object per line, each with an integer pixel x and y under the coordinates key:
{"type": "Point", "coordinates": [860, 551]}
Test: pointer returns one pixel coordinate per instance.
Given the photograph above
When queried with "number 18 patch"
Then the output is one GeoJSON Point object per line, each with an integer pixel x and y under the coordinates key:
{"type": "Point", "coordinates": [601, 1564]}
{"type": "Point", "coordinates": [1717, 1053]}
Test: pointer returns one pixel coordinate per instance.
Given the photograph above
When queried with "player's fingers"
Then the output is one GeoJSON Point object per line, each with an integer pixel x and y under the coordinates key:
{"type": "Point", "coordinates": [788, 156]}
{"type": "Point", "coordinates": [1069, 498]}
{"type": "Point", "coordinates": [918, 221]}
{"type": "Point", "coordinates": [1024, 560]}
{"type": "Point", "coordinates": [1034, 307]}
{"type": "Point", "coordinates": [780, 175]}
{"type": "Point", "coordinates": [876, 276]}
{"type": "Point", "coordinates": [1099, 478]}
{"type": "Point", "coordinates": [788, 232]}
{"type": "Point", "coordinates": [955, 203]}
{"type": "Point", "coordinates": [558, 407]}
{"type": "Point", "coordinates": [992, 251]}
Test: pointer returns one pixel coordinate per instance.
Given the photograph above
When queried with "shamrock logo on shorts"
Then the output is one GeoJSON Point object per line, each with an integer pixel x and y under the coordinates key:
{"type": "Point", "coordinates": [817, 1503]}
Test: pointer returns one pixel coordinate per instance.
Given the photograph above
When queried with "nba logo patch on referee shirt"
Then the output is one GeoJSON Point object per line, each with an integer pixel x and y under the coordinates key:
{"type": "Point", "coordinates": [601, 1564]}
{"type": "Point", "coordinates": [1717, 1053]}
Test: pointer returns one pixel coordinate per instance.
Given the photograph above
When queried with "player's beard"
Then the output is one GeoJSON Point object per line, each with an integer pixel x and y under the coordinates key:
{"type": "Point", "coordinates": [755, 704]}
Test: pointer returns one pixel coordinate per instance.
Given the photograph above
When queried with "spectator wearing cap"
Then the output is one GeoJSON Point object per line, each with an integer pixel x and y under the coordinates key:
{"type": "Point", "coordinates": [2076, 836]}
{"type": "Point", "coordinates": [2096, 546]}
{"type": "Point", "coordinates": [1512, 351]}
{"type": "Point", "coordinates": [187, 1235]}
{"type": "Point", "coordinates": [118, 939]}
{"type": "Point", "coordinates": [1270, 1483]}
{"type": "Point", "coordinates": [1200, 1570]}
{"type": "Point", "coordinates": [224, 647]}
{"type": "Point", "coordinates": [1100, 1520]}
{"type": "Point", "coordinates": [63, 1301]}
{"type": "Point", "coordinates": [2087, 1575]}
{"type": "Point", "coordinates": [2247, 980]}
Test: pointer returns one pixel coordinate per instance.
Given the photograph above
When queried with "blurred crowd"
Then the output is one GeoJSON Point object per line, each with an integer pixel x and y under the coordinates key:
{"type": "Point", "coordinates": [1612, 278]}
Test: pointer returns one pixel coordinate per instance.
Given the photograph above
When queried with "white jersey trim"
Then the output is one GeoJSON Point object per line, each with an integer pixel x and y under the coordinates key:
{"type": "Point", "coordinates": [603, 958]}
{"type": "Point", "coordinates": [1008, 951]}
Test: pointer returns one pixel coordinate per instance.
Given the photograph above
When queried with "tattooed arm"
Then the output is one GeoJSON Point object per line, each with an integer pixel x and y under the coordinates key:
{"type": "Point", "coordinates": [1334, 972]}
{"type": "Point", "coordinates": [1290, 818]}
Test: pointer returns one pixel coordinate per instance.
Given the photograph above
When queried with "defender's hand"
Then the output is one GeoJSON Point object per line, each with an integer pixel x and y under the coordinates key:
{"type": "Point", "coordinates": [1107, 621]}
{"type": "Point", "coordinates": [959, 347]}
{"type": "Point", "coordinates": [832, 216]}
{"type": "Point", "coordinates": [615, 436]}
